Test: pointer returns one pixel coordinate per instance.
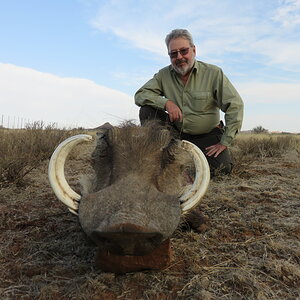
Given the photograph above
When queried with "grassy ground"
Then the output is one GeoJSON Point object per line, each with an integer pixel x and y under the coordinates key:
{"type": "Point", "coordinates": [250, 248]}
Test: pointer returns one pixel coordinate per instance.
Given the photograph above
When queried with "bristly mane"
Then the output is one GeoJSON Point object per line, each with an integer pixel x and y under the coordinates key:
{"type": "Point", "coordinates": [146, 151]}
{"type": "Point", "coordinates": [134, 143]}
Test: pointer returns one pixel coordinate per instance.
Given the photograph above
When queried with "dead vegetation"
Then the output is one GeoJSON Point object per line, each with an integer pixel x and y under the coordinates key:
{"type": "Point", "coordinates": [250, 249]}
{"type": "Point", "coordinates": [22, 150]}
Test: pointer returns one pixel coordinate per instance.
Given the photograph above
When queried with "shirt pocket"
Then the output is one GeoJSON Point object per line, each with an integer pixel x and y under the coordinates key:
{"type": "Point", "coordinates": [202, 101]}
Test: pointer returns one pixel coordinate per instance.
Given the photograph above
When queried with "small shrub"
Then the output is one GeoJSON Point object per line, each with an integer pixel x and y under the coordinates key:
{"type": "Point", "coordinates": [259, 129]}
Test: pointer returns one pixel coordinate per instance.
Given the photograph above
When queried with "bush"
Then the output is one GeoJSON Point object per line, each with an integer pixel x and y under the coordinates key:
{"type": "Point", "coordinates": [259, 129]}
{"type": "Point", "coordinates": [22, 150]}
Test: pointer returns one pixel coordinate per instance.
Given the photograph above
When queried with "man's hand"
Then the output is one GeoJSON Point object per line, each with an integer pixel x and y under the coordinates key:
{"type": "Point", "coordinates": [215, 150]}
{"type": "Point", "coordinates": [174, 111]}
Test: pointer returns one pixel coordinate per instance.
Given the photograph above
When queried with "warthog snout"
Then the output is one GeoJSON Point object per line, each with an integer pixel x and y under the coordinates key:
{"type": "Point", "coordinates": [127, 239]}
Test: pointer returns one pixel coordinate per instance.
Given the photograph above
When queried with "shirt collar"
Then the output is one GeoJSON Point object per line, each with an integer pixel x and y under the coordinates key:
{"type": "Point", "coordinates": [196, 66]}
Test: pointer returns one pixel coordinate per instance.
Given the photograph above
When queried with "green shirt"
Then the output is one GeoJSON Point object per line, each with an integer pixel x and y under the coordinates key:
{"type": "Point", "coordinates": [206, 92]}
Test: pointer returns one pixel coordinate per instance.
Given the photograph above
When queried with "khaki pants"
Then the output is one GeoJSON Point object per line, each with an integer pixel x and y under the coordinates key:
{"type": "Point", "coordinates": [222, 164]}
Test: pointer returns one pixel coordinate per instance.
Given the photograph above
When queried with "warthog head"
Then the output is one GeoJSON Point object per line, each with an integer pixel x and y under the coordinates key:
{"type": "Point", "coordinates": [135, 199]}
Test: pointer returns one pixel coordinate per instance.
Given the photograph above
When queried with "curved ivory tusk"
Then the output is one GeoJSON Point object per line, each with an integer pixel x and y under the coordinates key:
{"type": "Point", "coordinates": [56, 173]}
{"type": "Point", "coordinates": [193, 196]}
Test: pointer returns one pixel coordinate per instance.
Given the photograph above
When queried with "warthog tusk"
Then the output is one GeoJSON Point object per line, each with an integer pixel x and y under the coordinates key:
{"type": "Point", "coordinates": [69, 197]}
{"type": "Point", "coordinates": [192, 197]}
{"type": "Point", "coordinates": [56, 173]}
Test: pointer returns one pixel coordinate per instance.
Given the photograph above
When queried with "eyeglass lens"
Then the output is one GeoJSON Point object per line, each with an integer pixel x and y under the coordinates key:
{"type": "Point", "coordinates": [174, 54]}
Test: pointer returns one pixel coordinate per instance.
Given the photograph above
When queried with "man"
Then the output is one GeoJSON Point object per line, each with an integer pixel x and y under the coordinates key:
{"type": "Point", "coordinates": [190, 94]}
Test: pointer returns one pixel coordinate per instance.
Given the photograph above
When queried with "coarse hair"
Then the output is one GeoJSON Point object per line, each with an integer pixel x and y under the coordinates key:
{"type": "Point", "coordinates": [179, 33]}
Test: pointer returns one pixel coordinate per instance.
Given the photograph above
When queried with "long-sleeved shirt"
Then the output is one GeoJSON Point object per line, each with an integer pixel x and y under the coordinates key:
{"type": "Point", "coordinates": [206, 92]}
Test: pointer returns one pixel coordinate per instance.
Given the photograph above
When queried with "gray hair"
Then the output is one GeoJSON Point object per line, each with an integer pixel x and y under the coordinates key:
{"type": "Point", "coordinates": [179, 33]}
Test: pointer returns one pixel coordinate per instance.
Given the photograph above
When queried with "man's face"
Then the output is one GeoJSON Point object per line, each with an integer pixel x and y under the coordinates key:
{"type": "Point", "coordinates": [182, 61]}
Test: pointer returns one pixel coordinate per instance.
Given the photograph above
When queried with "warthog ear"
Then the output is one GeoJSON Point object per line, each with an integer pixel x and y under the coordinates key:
{"type": "Point", "coordinates": [101, 145]}
{"type": "Point", "coordinates": [101, 160]}
{"type": "Point", "coordinates": [171, 178]}
{"type": "Point", "coordinates": [168, 154]}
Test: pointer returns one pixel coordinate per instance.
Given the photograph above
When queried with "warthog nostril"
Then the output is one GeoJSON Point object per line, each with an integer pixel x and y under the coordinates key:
{"type": "Point", "coordinates": [127, 239]}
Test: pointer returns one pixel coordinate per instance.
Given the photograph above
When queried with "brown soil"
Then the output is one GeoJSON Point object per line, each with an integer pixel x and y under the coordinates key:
{"type": "Point", "coordinates": [249, 250]}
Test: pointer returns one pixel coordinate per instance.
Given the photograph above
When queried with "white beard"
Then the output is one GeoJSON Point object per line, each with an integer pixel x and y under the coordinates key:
{"type": "Point", "coordinates": [183, 70]}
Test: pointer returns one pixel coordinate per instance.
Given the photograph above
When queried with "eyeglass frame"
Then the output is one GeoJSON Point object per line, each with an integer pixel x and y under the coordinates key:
{"type": "Point", "coordinates": [182, 51]}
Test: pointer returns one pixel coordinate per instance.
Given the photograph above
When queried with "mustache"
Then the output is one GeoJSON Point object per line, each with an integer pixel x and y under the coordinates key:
{"type": "Point", "coordinates": [180, 61]}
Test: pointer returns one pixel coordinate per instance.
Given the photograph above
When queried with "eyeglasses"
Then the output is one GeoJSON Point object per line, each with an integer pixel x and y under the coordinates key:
{"type": "Point", "coordinates": [183, 51]}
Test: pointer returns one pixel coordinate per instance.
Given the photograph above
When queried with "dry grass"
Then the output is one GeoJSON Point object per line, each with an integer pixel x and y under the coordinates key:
{"type": "Point", "coordinates": [249, 148]}
{"type": "Point", "coordinates": [250, 250]}
{"type": "Point", "coordinates": [23, 150]}
{"type": "Point", "coordinates": [267, 145]}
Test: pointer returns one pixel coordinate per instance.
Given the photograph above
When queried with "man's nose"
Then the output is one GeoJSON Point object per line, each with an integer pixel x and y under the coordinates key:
{"type": "Point", "coordinates": [179, 55]}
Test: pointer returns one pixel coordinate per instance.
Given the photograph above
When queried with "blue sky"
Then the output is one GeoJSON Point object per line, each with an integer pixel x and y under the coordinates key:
{"type": "Point", "coordinates": [79, 62]}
